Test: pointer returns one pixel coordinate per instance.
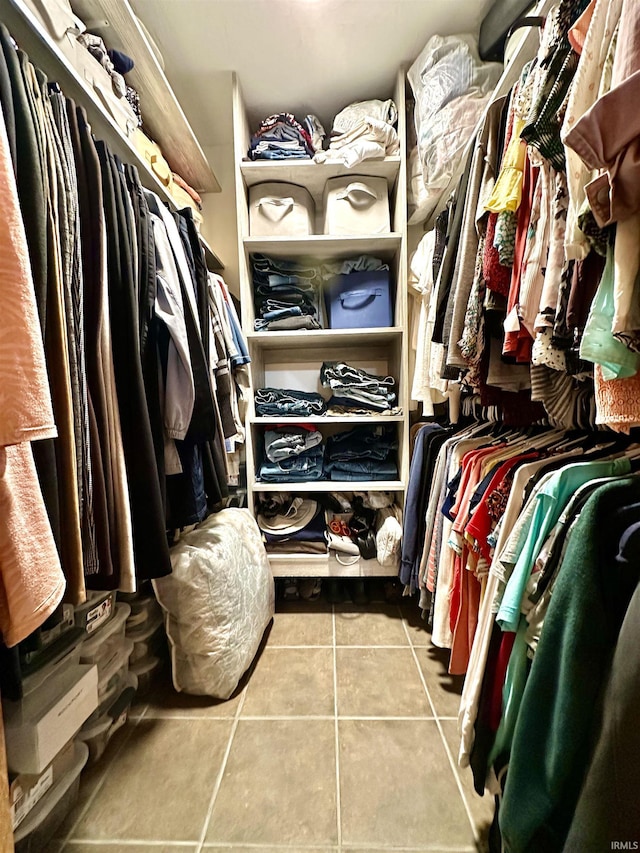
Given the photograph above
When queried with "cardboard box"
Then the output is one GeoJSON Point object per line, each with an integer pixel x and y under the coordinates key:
{"type": "Point", "coordinates": [37, 728]}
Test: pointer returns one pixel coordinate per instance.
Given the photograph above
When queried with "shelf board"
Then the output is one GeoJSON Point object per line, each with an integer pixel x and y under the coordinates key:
{"type": "Point", "coordinates": [329, 419]}
{"type": "Point", "coordinates": [325, 566]}
{"type": "Point", "coordinates": [332, 486]}
{"type": "Point", "coordinates": [313, 175]}
{"type": "Point", "coordinates": [31, 35]}
{"type": "Point", "coordinates": [325, 246]}
{"type": "Point", "coordinates": [213, 261]}
{"type": "Point", "coordinates": [324, 337]}
{"type": "Point", "coordinates": [163, 116]}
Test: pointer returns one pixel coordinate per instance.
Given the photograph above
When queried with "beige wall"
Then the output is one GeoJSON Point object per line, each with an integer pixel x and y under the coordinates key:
{"type": "Point", "coordinates": [219, 211]}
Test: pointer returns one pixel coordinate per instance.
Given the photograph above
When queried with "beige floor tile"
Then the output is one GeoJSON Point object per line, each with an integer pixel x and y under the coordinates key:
{"type": "Point", "coordinates": [159, 787]}
{"type": "Point", "coordinates": [445, 690]}
{"type": "Point", "coordinates": [302, 624]}
{"type": "Point", "coordinates": [279, 785]}
{"type": "Point", "coordinates": [379, 683]}
{"type": "Point", "coordinates": [165, 701]}
{"type": "Point", "coordinates": [92, 776]}
{"type": "Point", "coordinates": [482, 808]}
{"type": "Point", "coordinates": [390, 849]}
{"type": "Point", "coordinates": [373, 625]}
{"type": "Point", "coordinates": [261, 849]}
{"type": "Point", "coordinates": [291, 682]}
{"type": "Point", "coordinates": [121, 847]}
{"type": "Point", "coordinates": [397, 786]}
{"type": "Point", "coordinates": [416, 625]}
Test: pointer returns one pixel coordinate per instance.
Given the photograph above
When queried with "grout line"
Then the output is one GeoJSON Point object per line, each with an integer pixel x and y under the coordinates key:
{"type": "Point", "coordinates": [67, 839]}
{"type": "Point", "coordinates": [223, 767]}
{"type": "Point", "coordinates": [452, 763]}
{"type": "Point", "coordinates": [336, 730]}
{"type": "Point", "coordinates": [306, 717]}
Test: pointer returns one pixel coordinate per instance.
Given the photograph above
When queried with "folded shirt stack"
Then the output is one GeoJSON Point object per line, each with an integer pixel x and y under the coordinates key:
{"type": "Point", "coordinates": [286, 402]}
{"type": "Point", "coordinates": [292, 454]}
{"type": "Point", "coordinates": [282, 137]}
{"type": "Point", "coordinates": [292, 525]}
{"type": "Point", "coordinates": [356, 391]}
{"type": "Point", "coordinates": [362, 131]}
{"type": "Point", "coordinates": [363, 453]}
{"type": "Point", "coordinates": [286, 295]}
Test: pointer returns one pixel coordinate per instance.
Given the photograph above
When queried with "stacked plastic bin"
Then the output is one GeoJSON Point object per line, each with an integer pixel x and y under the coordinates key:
{"type": "Point", "coordinates": [145, 632]}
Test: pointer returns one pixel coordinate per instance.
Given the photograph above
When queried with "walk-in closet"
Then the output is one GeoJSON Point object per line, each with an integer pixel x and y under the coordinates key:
{"type": "Point", "coordinates": [319, 426]}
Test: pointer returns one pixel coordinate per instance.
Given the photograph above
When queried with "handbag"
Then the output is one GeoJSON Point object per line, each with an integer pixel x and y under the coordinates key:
{"type": "Point", "coordinates": [362, 526]}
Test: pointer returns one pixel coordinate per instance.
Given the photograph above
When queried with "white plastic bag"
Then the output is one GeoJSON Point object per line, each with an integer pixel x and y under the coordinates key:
{"type": "Point", "coordinates": [217, 603]}
{"type": "Point", "coordinates": [451, 87]}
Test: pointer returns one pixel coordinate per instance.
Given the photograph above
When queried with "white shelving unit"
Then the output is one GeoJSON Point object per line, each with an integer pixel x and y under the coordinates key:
{"type": "Point", "coordinates": [293, 359]}
{"type": "Point", "coordinates": [161, 109]}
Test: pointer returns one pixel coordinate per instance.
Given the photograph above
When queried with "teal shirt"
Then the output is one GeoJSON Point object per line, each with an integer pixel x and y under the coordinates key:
{"type": "Point", "coordinates": [550, 502]}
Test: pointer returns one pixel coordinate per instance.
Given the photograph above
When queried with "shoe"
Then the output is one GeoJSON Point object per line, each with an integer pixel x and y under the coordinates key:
{"type": "Point", "coordinates": [309, 588]}
{"type": "Point", "coordinates": [291, 591]}
{"type": "Point", "coordinates": [334, 593]}
{"type": "Point", "coordinates": [359, 593]}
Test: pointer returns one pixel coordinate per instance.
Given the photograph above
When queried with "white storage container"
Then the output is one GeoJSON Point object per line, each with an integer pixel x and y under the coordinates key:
{"type": "Point", "coordinates": [356, 205]}
{"type": "Point", "coordinates": [114, 673]}
{"type": "Point", "coordinates": [143, 611]}
{"type": "Point", "coordinates": [26, 789]}
{"type": "Point", "coordinates": [99, 732]}
{"type": "Point", "coordinates": [145, 671]}
{"type": "Point", "coordinates": [40, 725]}
{"type": "Point", "coordinates": [97, 648]}
{"type": "Point", "coordinates": [33, 835]}
{"type": "Point", "coordinates": [149, 644]}
{"type": "Point", "coordinates": [280, 210]}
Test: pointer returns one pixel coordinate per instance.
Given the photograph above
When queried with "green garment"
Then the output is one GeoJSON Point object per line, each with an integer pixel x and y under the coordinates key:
{"type": "Point", "coordinates": [550, 751]}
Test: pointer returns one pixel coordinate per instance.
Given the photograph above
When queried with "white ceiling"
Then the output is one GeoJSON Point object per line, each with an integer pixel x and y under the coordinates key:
{"type": "Point", "coordinates": [293, 55]}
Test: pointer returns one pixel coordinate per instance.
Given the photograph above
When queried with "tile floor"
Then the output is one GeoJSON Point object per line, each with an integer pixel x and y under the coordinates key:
{"type": "Point", "coordinates": [342, 738]}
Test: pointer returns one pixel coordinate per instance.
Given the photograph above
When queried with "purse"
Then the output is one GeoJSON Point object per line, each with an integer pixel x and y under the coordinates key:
{"type": "Point", "coordinates": [362, 526]}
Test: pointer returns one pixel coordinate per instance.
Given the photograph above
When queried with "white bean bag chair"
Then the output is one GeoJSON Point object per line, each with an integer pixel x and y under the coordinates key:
{"type": "Point", "coordinates": [217, 603]}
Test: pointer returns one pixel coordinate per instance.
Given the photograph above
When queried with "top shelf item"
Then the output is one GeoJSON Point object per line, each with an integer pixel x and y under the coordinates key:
{"type": "Point", "coordinates": [117, 23]}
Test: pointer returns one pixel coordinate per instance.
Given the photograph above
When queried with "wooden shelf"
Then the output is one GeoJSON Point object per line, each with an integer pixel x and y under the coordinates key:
{"type": "Point", "coordinates": [332, 486]}
{"type": "Point", "coordinates": [325, 246]}
{"type": "Point", "coordinates": [329, 419]}
{"type": "Point", "coordinates": [31, 35]}
{"type": "Point", "coordinates": [324, 337]}
{"type": "Point", "coordinates": [213, 261]}
{"type": "Point", "coordinates": [313, 176]}
{"type": "Point", "coordinates": [325, 566]}
{"type": "Point", "coordinates": [163, 116]}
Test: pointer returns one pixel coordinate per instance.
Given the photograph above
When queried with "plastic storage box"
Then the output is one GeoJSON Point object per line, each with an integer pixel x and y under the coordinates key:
{"type": "Point", "coordinates": [359, 300]}
{"type": "Point", "coordinates": [40, 725]}
{"type": "Point", "coordinates": [97, 734]}
{"type": "Point", "coordinates": [148, 645]}
{"type": "Point", "coordinates": [99, 648]}
{"type": "Point", "coordinates": [143, 612]}
{"type": "Point", "coordinates": [26, 790]}
{"type": "Point", "coordinates": [96, 611]}
{"type": "Point", "coordinates": [33, 835]}
{"type": "Point", "coordinates": [280, 210]}
{"type": "Point", "coordinates": [145, 671]}
{"type": "Point", "coordinates": [356, 206]}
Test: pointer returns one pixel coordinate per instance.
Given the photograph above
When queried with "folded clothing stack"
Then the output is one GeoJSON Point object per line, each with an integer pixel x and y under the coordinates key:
{"type": "Point", "coordinates": [292, 454]}
{"type": "Point", "coordinates": [356, 391]}
{"type": "Point", "coordinates": [363, 453]}
{"type": "Point", "coordinates": [286, 402]}
{"type": "Point", "coordinates": [286, 295]}
{"type": "Point", "coordinates": [282, 137]}
{"type": "Point", "coordinates": [362, 131]}
{"type": "Point", "coordinates": [292, 525]}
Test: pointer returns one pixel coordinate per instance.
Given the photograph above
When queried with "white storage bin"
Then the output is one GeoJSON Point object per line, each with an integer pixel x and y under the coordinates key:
{"type": "Point", "coordinates": [148, 645]}
{"type": "Point", "coordinates": [26, 789]}
{"type": "Point", "coordinates": [113, 675]}
{"type": "Point", "coordinates": [96, 648]}
{"type": "Point", "coordinates": [98, 733]}
{"type": "Point", "coordinates": [143, 630]}
{"type": "Point", "coordinates": [356, 205]}
{"type": "Point", "coordinates": [33, 835]}
{"type": "Point", "coordinates": [145, 671]}
{"type": "Point", "coordinates": [96, 611]}
{"type": "Point", "coordinates": [143, 611]}
{"type": "Point", "coordinates": [280, 210]}
{"type": "Point", "coordinates": [39, 726]}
